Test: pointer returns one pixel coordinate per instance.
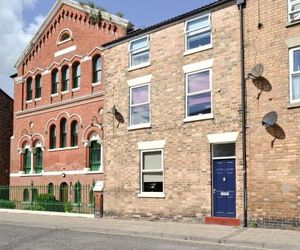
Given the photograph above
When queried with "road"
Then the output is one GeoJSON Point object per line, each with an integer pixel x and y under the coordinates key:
{"type": "Point", "coordinates": [16, 237]}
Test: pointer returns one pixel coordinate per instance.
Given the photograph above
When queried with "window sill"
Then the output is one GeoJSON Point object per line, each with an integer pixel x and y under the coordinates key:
{"type": "Point", "coordinates": [31, 175]}
{"type": "Point", "coordinates": [290, 24]}
{"type": "Point", "coordinates": [95, 84]}
{"type": "Point", "coordinates": [54, 95]}
{"type": "Point", "coordinates": [139, 126]}
{"type": "Point", "coordinates": [76, 90]}
{"type": "Point", "coordinates": [94, 172]}
{"type": "Point", "coordinates": [293, 105]}
{"type": "Point", "coordinates": [29, 101]}
{"type": "Point", "coordinates": [38, 99]}
{"type": "Point", "coordinates": [65, 92]}
{"type": "Point", "coordinates": [196, 50]}
{"type": "Point", "coordinates": [62, 149]}
{"type": "Point", "coordinates": [152, 195]}
{"type": "Point", "coordinates": [198, 118]}
{"type": "Point", "coordinates": [143, 65]}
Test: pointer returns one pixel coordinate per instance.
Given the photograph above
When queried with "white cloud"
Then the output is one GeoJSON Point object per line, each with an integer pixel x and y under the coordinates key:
{"type": "Point", "coordinates": [14, 36]}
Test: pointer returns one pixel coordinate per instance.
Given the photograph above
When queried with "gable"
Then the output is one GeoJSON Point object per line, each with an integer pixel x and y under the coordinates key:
{"type": "Point", "coordinates": [70, 10]}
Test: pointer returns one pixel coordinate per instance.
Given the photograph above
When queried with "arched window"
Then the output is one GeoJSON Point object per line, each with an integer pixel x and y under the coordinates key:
{"type": "Point", "coordinates": [97, 69]}
{"type": "Point", "coordinates": [92, 198]}
{"type": "Point", "coordinates": [64, 36]}
{"type": "Point", "coordinates": [74, 134]}
{"type": "Point", "coordinates": [29, 89]}
{"type": "Point", "coordinates": [65, 78]}
{"type": "Point", "coordinates": [50, 188]}
{"type": "Point", "coordinates": [77, 191]}
{"type": "Point", "coordinates": [38, 160]}
{"type": "Point", "coordinates": [76, 75]}
{"type": "Point", "coordinates": [27, 161]}
{"type": "Point", "coordinates": [52, 138]}
{"type": "Point", "coordinates": [95, 156]}
{"type": "Point", "coordinates": [63, 192]}
{"type": "Point", "coordinates": [63, 133]}
{"type": "Point", "coordinates": [38, 86]}
{"type": "Point", "coordinates": [26, 195]}
{"type": "Point", "coordinates": [54, 81]}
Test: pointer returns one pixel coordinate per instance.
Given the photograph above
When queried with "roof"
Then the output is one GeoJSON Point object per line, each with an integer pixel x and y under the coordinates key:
{"type": "Point", "coordinates": [204, 6]}
{"type": "Point", "coordinates": [6, 95]}
{"type": "Point", "coordinates": [85, 8]}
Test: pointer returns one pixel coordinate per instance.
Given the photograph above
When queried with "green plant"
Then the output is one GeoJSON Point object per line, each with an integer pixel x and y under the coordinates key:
{"type": "Point", "coordinates": [120, 14]}
{"type": "Point", "coordinates": [68, 206]}
{"type": "Point", "coordinates": [48, 202]}
{"type": "Point", "coordinates": [253, 224]}
{"type": "Point", "coordinates": [7, 204]}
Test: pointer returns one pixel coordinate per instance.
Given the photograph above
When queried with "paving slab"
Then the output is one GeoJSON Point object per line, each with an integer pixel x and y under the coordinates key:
{"type": "Point", "coordinates": [252, 237]}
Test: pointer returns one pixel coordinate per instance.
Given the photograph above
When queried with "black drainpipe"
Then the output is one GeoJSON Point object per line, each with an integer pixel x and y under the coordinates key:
{"type": "Point", "coordinates": [240, 4]}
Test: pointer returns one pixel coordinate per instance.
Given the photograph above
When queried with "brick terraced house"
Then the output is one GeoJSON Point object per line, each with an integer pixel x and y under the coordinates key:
{"type": "Point", "coordinates": [178, 87]}
{"type": "Point", "coordinates": [192, 144]}
{"type": "Point", "coordinates": [272, 38]}
{"type": "Point", "coordinates": [59, 92]}
{"type": "Point", "coordinates": [6, 130]}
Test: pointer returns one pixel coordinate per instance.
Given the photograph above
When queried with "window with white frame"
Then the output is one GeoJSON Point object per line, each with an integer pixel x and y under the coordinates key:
{"type": "Point", "coordinates": [198, 32]}
{"type": "Point", "coordinates": [294, 10]}
{"type": "Point", "coordinates": [139, 52]}
{"type": "Point", "coordinates": [140, 105]}
{"type": "Point", "coordinates": [295, 75]}
{"type": "Point", "coordinates": [198, 93]}
{"type": "Point", "coordinates": [152, 173]}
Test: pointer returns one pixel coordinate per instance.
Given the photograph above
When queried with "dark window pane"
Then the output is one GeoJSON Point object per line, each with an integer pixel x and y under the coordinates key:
{"type": "Point", "coordinates": [224, 150]}
{"type": "Point", "coordinates": [140, 114]}
{"type": "Point", "coordinates": [199, 40]}
{"type": "Point", "coordinates": [199, 104]}
{"type": "Point", "coordinates": [153, 182]}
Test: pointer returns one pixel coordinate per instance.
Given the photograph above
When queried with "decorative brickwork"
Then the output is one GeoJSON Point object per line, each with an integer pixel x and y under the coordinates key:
{"type": "Point", "coordinates": [43, 150]}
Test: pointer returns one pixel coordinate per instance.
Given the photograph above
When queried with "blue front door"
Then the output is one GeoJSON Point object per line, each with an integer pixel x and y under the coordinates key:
{"type": "Point", "coordinates": [224, 188]}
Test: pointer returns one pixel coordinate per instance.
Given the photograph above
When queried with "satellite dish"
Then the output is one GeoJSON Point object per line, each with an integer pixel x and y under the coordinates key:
{"type": "Point", "coordinates": [257, 71]}
{"type": "Point", "coordinates": [118, 116]}
{"type": "Point", "coordinates": [270, 119]}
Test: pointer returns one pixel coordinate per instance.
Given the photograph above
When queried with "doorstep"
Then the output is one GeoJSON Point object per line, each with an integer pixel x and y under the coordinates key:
{"type": "Point", "coordinates": [223, 221]}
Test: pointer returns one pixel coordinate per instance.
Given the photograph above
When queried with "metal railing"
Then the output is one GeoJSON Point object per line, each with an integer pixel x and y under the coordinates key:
{"type": "Point", "coordinates": [64, 198]}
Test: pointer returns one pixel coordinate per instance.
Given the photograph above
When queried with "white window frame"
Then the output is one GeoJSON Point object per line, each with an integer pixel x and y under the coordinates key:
{"type": "Point", "coordinates": [201, 116]}
{"type": "Point", "coordinates": [197, 31]}
{"type": "Point", "coordinates": [290, 5]}
{"type": "Point", "coordinates": [142, 125]}
{"type": "Point", "coordinates": [151, 194]}
{"type": "Point", "coordinates": [143, 49]}
{"type": "Point", "coordinates": [292, 73]}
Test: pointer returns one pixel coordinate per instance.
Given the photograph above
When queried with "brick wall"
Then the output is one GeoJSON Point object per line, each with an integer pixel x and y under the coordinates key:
{"type": "Point", "coordinates": [187, 156]}
{"type": "Point", "coordinates": [32, 120]}
{"type": "Point", "coordinates": [274, 177]}
{"type": "Point", "coordinates": [6, 128]}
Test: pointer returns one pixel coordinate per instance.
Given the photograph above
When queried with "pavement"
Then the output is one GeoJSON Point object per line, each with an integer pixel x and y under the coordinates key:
{"type": "Point", "coordinates": [248, 237]}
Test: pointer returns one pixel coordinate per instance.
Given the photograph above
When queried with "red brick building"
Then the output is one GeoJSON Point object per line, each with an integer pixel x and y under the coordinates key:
{"type": "Point", "coordinates": [59, 91]}
{"type": "Point", "coordinates": [6, 131]}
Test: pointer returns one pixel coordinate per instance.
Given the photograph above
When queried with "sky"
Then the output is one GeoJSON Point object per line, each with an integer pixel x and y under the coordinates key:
{"type": "Point", "coordinates": [20, 19]}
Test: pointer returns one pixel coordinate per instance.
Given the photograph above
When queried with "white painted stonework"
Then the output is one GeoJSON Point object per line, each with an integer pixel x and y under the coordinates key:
{"type": "Point", "coordinates": [151, 145]}
{"type": "Point", "coordinates": [65, 51]}
{"type": "Point", "coordinates": [198, 66]}
{"type": "Point", "coordinates": [223, 137]}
